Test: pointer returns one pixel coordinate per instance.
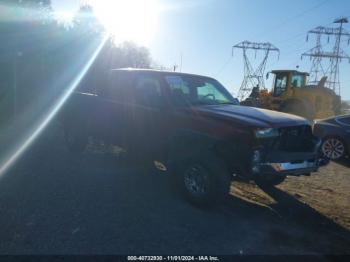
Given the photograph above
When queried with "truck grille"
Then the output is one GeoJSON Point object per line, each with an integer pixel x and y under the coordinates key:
{"type": "Point", "coordinates": [296, 139]}
{"type": "Point", "coordinates": [292, 139]}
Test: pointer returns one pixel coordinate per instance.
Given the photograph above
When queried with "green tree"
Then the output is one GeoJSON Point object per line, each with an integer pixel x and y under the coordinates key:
{"type": "Point", "coordinates": [39, 57]}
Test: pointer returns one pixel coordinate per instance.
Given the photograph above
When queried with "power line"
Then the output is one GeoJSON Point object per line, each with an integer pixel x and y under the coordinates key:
{"type": "Point", "coordinates": [222, 68]}
{"type": "Point", "coordinates": [294, 17]}
{"type": "Point", "coordinates": [299, 49]}
{"type": "Point", "coordinates": [317, 54]}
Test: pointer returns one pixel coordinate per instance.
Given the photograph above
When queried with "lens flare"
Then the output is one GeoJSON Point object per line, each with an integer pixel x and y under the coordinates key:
{"type": "Point", "coordinates": [9, 161]}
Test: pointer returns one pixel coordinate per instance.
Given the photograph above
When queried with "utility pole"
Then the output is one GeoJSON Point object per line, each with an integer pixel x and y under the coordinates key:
{"type": "Point", "coordinates": [318, 55]}
{"type": "Point", "coordinates": [175, 67]}
{"type": "Point", "coordinates": [253, 77]}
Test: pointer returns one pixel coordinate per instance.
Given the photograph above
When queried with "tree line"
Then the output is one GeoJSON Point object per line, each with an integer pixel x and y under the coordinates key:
{"type": "Point", "coordinates": [39, 55]}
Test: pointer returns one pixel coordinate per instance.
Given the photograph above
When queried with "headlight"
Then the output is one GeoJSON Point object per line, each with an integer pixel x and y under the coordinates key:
{"type": "Point", "coordinates": [266, 133]}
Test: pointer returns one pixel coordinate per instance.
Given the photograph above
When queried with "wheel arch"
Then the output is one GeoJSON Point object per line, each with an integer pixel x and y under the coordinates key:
{"type": "Point", "coordinates": [186, 144]}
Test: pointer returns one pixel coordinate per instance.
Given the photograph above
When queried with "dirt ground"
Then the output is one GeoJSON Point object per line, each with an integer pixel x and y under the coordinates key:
{"type": "Point", "coordinates": [327, 191]}
{"type": "Point", "coordinates": [56, 202]}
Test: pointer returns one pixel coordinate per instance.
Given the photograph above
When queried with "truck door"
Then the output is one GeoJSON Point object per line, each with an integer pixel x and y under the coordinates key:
{"type": "Point", "coordinates": [149, 114]}
{"type": "Point", "coordinates": [112, 114]}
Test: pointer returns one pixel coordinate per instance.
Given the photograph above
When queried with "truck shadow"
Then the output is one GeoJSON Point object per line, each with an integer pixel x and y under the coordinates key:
{"type": "Point", "coordinates": [153, 206]}
{"type": "Point", "coordinates": [290, 208]}
{"type": "Point", "coordinates": [344, 162]}
{"type": "Point", "coordinates": [90, 187]}
{"type": "Point", "coordinates": [291, 223]}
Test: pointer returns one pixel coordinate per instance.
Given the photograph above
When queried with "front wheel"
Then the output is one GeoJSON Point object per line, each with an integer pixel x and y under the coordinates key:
{"type": "Point", "coordinates": [204, 180]}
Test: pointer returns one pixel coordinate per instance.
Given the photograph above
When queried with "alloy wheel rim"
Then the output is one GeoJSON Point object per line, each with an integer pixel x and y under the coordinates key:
{"type": "Point", "coordinates": [333, 148]}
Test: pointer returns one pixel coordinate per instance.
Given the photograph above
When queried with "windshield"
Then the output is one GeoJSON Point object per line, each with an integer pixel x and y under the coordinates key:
{"type": "Point", "coordinates": [298, 80]}
{"type": "Point", "coordinates": [195, 90]}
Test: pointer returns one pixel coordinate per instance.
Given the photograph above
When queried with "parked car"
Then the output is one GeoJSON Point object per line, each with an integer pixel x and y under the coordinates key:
{"type": "Point", "coordinates": [191, 127]}
{"type": "Point", "coordinates": [335, 135]}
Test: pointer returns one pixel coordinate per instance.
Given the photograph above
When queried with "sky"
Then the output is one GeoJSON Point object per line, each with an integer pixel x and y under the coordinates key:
{"type": "Point", "coordinates": [202, 33]}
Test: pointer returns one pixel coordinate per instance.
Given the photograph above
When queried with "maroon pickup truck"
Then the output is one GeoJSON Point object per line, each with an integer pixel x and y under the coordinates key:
{"type": "Point", "coordinates": [191, 127]}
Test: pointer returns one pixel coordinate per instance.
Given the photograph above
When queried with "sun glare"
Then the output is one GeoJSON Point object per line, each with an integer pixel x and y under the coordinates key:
{"type": "Point", "coordinates": [128, 20]}
{"type": "Point", "coordinates": [64, 17]}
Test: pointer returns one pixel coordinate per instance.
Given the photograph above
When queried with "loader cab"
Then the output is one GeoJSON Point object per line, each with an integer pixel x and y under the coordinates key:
{"type": "Point", "coordinates": [287, 80]}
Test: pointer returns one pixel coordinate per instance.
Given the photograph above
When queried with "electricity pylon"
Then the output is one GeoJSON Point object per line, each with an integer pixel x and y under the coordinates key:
{"type": "Point", "coordinates": [253, 77]}
{"type": "Point", "coordinates": [318, 55]}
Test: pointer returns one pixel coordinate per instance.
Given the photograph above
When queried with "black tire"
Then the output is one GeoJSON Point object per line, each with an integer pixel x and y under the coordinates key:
{"type": "Point", "coordinates": [75, 138]}
{"type": "Point", "coordinates": [269, 180]}
{"type": "Point", "coordinates": [204, 179]}
{"type": "Point", "coordinates": [333, 148]}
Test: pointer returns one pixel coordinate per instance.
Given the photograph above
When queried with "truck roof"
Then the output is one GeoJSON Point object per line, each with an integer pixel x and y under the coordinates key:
{"type": "Point", "coordinates": [158, 72]}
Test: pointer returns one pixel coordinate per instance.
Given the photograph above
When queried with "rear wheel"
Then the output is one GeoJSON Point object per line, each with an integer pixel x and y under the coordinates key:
{"type": "Point", "coordinates": [204, 180]}
{"type": "Point", "coordinates": [333, 148]}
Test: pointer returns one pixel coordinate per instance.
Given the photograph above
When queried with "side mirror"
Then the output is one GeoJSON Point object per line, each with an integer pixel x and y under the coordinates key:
{"type": "Point", "coordinates": [267, 75]}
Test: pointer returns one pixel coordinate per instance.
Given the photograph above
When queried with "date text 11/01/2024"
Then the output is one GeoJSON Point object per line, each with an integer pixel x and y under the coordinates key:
{"type": "Point", "coordinates": [173, 258]}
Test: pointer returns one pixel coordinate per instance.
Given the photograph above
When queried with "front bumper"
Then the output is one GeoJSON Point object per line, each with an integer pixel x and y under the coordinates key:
{"type": "Point", "coordinates": [285, 163]}
{"type": "Point", "coordinates": [296, 151]}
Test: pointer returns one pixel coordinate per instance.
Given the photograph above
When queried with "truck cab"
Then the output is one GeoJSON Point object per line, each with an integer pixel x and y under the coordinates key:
{"type": "Point", "coordinates": [287, 81]}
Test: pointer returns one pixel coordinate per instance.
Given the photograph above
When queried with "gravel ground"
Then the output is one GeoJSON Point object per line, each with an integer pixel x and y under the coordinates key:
{"type": "Point", "coordinates": [53, 202]}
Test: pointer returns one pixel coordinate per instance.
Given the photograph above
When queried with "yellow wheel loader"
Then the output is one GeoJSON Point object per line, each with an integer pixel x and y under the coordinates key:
{"type": "Point", "coordinates": [291, 94]}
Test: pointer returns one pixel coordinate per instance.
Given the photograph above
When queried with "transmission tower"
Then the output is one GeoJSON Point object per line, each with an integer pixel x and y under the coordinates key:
{"type": "Point", "coordinates": [317, 70]}
{"type": "Point", "coordinates": [317, 55]}
{"type": "Point", "coordinates": [253, 77]}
